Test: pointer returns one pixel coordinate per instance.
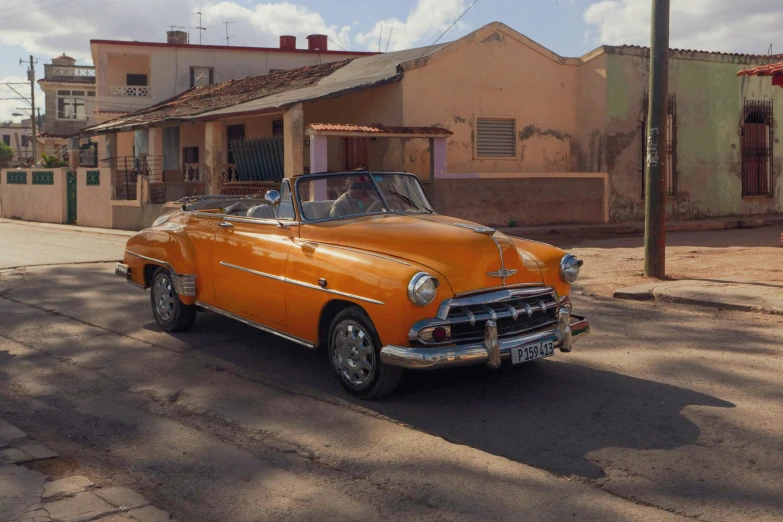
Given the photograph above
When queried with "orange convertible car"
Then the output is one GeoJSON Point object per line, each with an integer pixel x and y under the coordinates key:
{"type": "Point", "coordinates": [359, 263]}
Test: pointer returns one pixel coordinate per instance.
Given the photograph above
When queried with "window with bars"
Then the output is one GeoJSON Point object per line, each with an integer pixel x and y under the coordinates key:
{"type": "Point", "coordinates": [43, 177]}
{"type": "Point", "coordinates": [670, 135]}
{"type": "Point", "coordinates": [202, 76]}
{"type": "Point", "coordinates": [190, 155]}
{"type": "Point", "coordinates": [277, 127]}
{"type": "Point", "coordinates": [757, 139]}
{"type": "Point", "coordinates": [93, 178]}
{"type": "Point", "coordinates": [496, 138]}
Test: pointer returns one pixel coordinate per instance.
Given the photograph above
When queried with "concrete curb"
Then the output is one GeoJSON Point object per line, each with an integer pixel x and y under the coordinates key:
{"type": "Point", "coordinates": [739, 296]}
{"type": "Point", "coordinates": [71, 228]}
{"type": "Point", "coordinates": [608, 229]}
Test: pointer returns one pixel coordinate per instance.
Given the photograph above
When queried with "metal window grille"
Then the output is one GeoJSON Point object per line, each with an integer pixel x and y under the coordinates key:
{"type": "Point", "coordinates": [16, 178]}
{"type": "Point", "coordinates": [93, 177]}
{"type": "Point", "coordinates": [496, 138]}
{"type": "Point", "coordinates": [43, 177]}
{"type": "Point", "coordinates": [671, 174]}
{"type": "Point", "coordinates": [277, 127]}
{"type": "Point", "coordinates": [190, 154]}
{"type": "Point", "coordinates": [757, 140]}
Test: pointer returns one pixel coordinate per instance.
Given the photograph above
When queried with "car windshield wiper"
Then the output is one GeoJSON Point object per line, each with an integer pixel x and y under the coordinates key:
{"type": "Point", "coordinates": [409, 201]}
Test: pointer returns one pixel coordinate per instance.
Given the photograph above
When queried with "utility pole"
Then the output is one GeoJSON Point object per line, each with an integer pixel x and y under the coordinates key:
{"type": "Point", "coordinates": [655, 198]}
{"type": "Point", "coordinates": [228, 38]}
{"type": "Point", "coordinates": [31, 79]}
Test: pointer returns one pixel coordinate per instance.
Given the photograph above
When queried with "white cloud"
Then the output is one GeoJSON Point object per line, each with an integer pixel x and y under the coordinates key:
{"type": "Point", "coordinates": [748, 26]}
{"type": "Point", "coordinates": [424, 24]}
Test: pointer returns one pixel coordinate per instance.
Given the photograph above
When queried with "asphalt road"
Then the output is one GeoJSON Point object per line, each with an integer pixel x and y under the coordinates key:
{"type": "Point", "coordinates": [663, 411]}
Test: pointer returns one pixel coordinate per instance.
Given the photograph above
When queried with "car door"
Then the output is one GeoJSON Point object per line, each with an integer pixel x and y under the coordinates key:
{"type": "Point", "coordinates": [251, 258]}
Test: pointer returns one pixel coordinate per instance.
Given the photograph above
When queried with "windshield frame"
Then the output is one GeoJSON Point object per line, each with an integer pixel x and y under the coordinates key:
{"type": "Point", "coordinates": [386, 212]}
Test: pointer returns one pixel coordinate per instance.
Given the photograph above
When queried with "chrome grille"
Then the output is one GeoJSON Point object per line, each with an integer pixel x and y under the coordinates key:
{"type": "Point", "coordinates": [515, 312]}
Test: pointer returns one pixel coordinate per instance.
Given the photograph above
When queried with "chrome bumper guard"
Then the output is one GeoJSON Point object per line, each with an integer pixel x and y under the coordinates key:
{"type": "Point", "coordinates": [122, 270]}
{"type": "Point", "coordinates": [570, 328]}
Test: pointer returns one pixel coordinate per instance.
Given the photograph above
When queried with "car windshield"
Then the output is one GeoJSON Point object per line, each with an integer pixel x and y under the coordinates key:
{"type": "Point", "coordinates": [324, 197]}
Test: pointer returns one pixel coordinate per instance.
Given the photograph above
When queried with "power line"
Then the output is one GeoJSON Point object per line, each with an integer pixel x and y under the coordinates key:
{"type": "Point", "coordinates": [455, 22]}
{"type": "Point", "coordinates": [22, 5]}
{"type": "Point", "coordinates": [338, 45]}
{"type": "Point", "coordinates": [38, 10]}
{"type": "Point", "coordinates": [70, 13]}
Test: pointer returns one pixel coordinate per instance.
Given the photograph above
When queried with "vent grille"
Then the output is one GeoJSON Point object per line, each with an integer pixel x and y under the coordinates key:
{"type": "Point", "coordinates": [495, 138]}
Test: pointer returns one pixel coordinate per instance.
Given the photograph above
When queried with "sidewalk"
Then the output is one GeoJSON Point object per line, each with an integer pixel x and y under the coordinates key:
{"type": "Point", "coordinates": [72, 228]}
{"type": "Point", "coordinates": [608, 229]}
{"type": "Point", "coordinates": [730, 295]}
{"type": "Point", "coordinates": [29, 496]}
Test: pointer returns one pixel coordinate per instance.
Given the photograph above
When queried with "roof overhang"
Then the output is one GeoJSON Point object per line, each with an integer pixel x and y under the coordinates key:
{"type": "Point", "coordinates": [374, 131]}
{"type": "Point", "coordinates": [775, 70]}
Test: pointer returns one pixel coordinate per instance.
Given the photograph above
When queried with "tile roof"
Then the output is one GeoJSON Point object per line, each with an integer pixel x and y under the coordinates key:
{"type": "Point", "coordinates": [677, 50]}
{"type": "Point", "coordinates": [773, 69]}
{"type": "Point", "coordinates": [376, 129]}
{"type": "Point", "coordinates": [206, 98]}
{"type": "Point", "coordinates": [272, 91]}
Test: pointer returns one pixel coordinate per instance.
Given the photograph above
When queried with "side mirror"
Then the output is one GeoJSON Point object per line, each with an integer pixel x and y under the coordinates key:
{"type": "Point", "coordinates": [272, 197]}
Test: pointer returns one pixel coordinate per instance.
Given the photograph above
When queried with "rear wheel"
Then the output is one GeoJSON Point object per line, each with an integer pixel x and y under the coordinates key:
{"type": "Point", "coordinates": [355, 356]}
{"type": "Point", "coordinates": [170, 312]}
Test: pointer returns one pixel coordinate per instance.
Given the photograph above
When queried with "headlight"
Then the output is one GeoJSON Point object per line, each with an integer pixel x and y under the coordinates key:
{"type": "Point", "coordinates": [569, 268]}
{"type": "Point", "coordinates": [422, 289]}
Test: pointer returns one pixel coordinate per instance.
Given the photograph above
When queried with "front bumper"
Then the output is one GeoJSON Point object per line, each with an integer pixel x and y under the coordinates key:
{"type": "Point", "coordinates": [491, 351]}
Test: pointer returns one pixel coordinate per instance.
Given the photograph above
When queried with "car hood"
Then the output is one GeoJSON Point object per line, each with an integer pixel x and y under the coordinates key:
{"type": "Point", "coordinates": [452, 247]}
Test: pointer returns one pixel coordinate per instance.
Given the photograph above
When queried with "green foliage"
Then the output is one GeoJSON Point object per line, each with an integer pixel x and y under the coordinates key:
{"type": "Point", "coordinates": [52, 161]}
{"type": "Point", "coordinates": [6, 154]}
{"type": "Point", "coordinates": [512, 222]}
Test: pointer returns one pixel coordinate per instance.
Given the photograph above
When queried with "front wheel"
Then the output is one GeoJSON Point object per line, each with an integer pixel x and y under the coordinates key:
{"type": "Point", "coordinates": [170, 312]}
{"type": "Point", "coordinates": [355, 356]}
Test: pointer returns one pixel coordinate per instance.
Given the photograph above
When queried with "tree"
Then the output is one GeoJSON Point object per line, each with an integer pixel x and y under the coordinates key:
{"type": "Point", "coordinates": [6, 155]}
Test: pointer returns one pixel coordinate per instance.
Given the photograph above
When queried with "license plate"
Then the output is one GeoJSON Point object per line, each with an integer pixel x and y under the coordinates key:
{"type": "Point", "coordinates": [530, 352]}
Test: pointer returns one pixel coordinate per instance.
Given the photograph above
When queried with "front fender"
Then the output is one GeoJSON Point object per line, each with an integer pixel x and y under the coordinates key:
{"type": "Point", "coordinates": [548, 259]}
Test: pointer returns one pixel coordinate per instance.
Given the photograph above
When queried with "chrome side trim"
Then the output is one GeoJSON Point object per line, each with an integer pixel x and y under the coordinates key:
{"type": "Point", "coordinates": [158, 261]}
{"type": "Point", "coordinates": [259, 221]}
{"type": "Point", "coordinates": [254, 324]}
{"type": "Point", "coordinates": [358, 251]}
{"type": "Point", "coordinates": [302, 283]}
{"type": "Point", "coordinates": [251, 271]}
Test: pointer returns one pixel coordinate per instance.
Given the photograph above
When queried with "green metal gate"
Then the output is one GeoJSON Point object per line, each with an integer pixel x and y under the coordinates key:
{"type": "Point", "coordinates": [258, 159]}
{"type": "Point", "coordinates": [71, 197]}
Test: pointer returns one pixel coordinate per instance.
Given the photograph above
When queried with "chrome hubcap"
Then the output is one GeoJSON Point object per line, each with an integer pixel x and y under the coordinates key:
{"type": "Point", "coordinates": [164, 298]}
{"type": "Point", "coordinates": [354, 356]}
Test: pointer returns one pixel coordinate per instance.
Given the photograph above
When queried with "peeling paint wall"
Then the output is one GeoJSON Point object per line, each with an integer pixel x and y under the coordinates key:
{"type": "Point", "coordinates": [495, 75]}
{"type": "Point", "coordinates": [709, 115]}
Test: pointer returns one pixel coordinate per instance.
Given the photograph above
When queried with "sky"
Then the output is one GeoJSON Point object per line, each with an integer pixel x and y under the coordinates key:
{"type": "Point", "coordinates": [47, 28]}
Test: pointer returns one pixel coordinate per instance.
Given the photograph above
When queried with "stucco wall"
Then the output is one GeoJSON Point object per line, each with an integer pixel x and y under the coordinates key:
{"type": "Point", "coordinates": [93, 202]}
{"type": "Point", "coordinates": [495, 75]}
{"type": "Point", "coordinates": [130, 215]}
{"type": "Point", "coordinates": [589, 149]}
{"type": "Point", "coordinates": [709, 115]}
{"type": "Point", "coordinates": [43, 203]}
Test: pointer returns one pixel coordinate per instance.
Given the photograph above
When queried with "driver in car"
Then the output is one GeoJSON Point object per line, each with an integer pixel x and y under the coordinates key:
{"type": "Point", "coordinates": [357, 200]}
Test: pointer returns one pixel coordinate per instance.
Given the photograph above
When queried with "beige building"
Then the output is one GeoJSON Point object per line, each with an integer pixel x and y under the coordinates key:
{"type": "Point", "coordinates": [18, 136]}
{"type": "Point", "coordinates": [500, 129]}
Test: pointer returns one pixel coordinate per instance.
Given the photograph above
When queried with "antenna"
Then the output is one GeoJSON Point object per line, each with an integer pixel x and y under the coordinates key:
{"type": "Point", "coordinates": [389, 40]}
{"type": "Point", "coordinates": [228, 38]}
{"type": "Point", "coordinates": [380, 35]}
{"type": "Point", "coordinates": [200, 28]}
{"type": "Point", "coordinates": [770, 49]}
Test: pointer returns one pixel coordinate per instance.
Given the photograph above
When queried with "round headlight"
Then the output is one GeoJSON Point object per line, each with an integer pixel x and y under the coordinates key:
{"type": "Point", "coordinates": [422, 289]}
{"type": "Point", "coordinates": [569, 268]}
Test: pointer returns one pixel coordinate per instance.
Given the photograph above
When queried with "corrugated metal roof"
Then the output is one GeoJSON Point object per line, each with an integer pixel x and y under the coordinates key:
{"type": "Point", "coordinates": [271, 91]}
{"type": "Point", "coordinates": [773, 69]}
{"type": "Point", "coordinates": [376, 129]}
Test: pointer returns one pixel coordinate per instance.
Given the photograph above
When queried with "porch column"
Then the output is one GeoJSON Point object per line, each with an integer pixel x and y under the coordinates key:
{"type": "Point", "coordinates": [293, 141]}
{"type": "Point", "coordinates": [214, 145]}
{"type": "Point", "coordinates": [437, 162]}
{"type": "Point", "coordinates": [155, 151]}
{"type": "Point", "coordinates": [112, 152]}
{"type": "Point", "coordinates": [318, 160]}
{"type": "Point", "coordinates": [74, 153]}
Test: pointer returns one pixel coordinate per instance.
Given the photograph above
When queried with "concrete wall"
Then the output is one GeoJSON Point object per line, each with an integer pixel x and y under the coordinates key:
{"type": "Point", "coordinates": [131, 215]}
{"type": "Point", "coordinates": [93, 202]}
{"type": "Point", "coordinates": [709, 113]}
{"type": "Point", "coordinates": [547, 200]}
{"type": "Point", "coordinates": [43, 203]}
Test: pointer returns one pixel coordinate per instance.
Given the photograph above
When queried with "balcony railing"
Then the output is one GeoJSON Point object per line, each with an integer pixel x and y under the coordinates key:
{"type": "Point", "coordinates": [194, 173]}
{"type": "Point", "coordinates": [143, 91]}
{"type": "Point", "coordinates": [83, 73]}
